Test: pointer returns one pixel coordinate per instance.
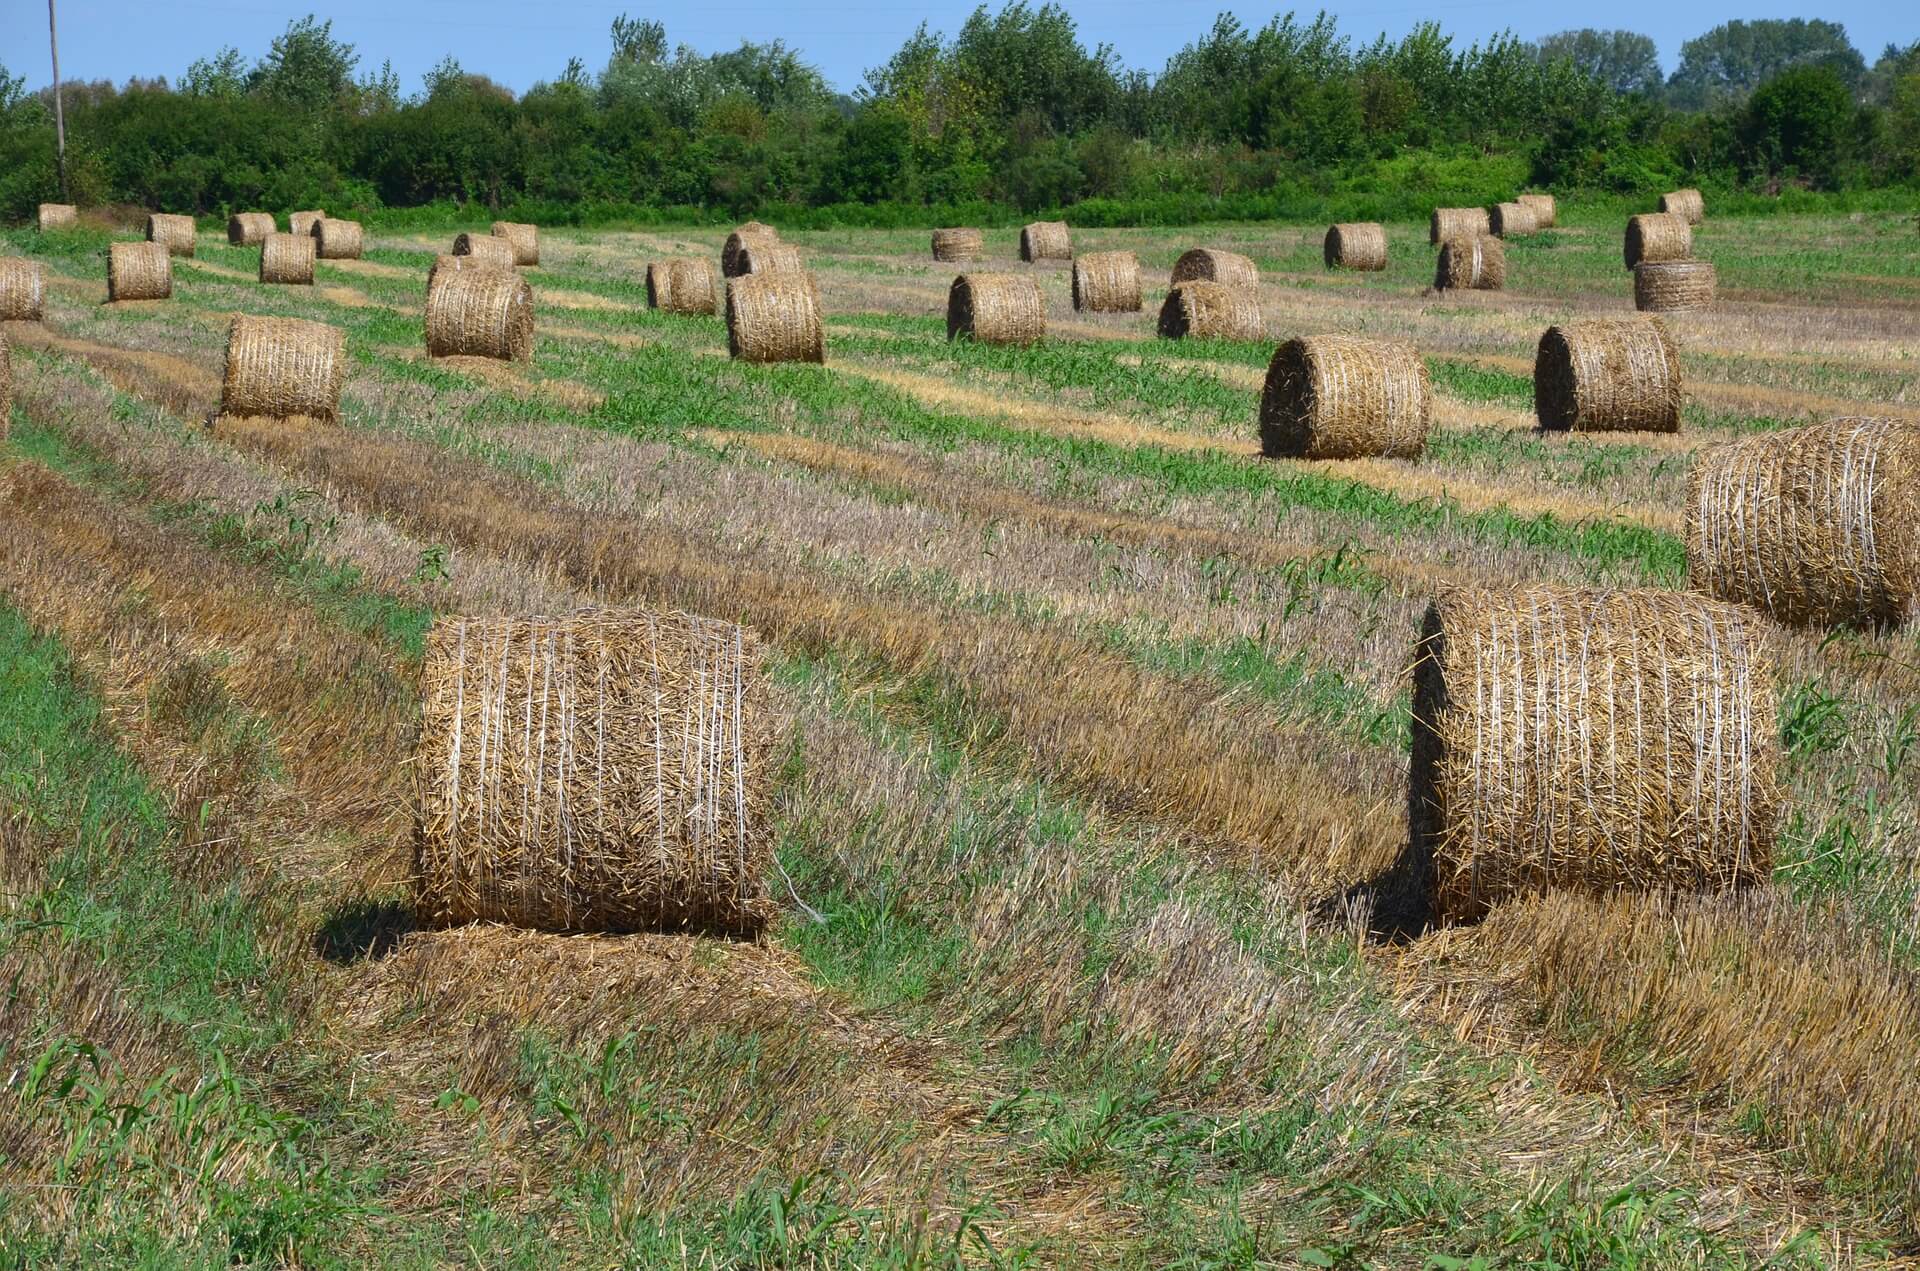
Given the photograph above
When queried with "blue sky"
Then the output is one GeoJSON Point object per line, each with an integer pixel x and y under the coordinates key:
{"type": "Point", "coordinates": [519, 42]}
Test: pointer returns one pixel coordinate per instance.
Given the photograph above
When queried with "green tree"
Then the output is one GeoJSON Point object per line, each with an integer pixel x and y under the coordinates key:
{"type": "Point", "coordinates": [306, 68]}
{"type": "Point", "coordinates": [1624, 61]}
{"type": "Point", "coordinates": [1797, 124]}
{"type": "Point", "coordinates": [1733, 59]}
{"type": "Point", "coordinates": [222, 75]}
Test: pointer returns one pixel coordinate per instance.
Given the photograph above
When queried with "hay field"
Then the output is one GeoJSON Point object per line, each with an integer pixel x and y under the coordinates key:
{"type": "Point", "coordinates": [1091, 792]}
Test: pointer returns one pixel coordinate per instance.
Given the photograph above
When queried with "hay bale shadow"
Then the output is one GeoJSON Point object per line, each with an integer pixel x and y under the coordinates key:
{"type": "Point", "coordinates": [362, 930]}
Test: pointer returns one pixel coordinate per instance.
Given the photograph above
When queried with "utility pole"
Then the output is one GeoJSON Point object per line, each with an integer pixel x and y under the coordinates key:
{"type": "Point", "coordinates": [59, 110]}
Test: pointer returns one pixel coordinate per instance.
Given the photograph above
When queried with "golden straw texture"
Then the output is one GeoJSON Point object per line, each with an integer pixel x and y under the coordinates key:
{"type": "Point", "coordinates": [282, 367]}
{"type": "Point", "coordinates": [1106, 282]}
{"type": "Point", "coordinates": [6, 388]}
{"type": "Point", "coordinates": [1657, 236]}
{"type": "Point", "coordinates": [249, 229]}
{"type": "Point", "coordinates": [58, 216]}
{"type": "Point", "coordinates": [1688, 205]}
{"type": "Point", "coordinates": [1356, 245]}
{"type": "Point", "coordinates": [775, 318]}
{"type": "Point", "coordinates": [23, 290]}
{"type": "Point", "coordinates": [486, 249]}
{"type": "Point", "coordinates": [303, 222]}
{"type": "Point", "coordinates": [731, 265]}
{"type": "Point", "coordinates": [1211, 311]}
{"type": "Point", "coordinates": [479, 312]}
{"type": "Point", "coordinates": [524, 238]}
{"type": "Point", "coordinates": [1205, 264]}
{"type": "Point", "coordinates": [1608, 375]}
{"type": "Point", "coordinates": [768, 256]}
{"type": "Point", "coordinates": [1511, 220]}
{"type": "Point", "coordinates": [1673, 286]}
{"type": "Point", "coordinates": [996, 309]}
{"type": "Point", "coordinates": [959, 245]}
{"type": "Point", "coordinates": [681, 285]}
{"type": "Point", "coordinates": [175, 233]}
{"type": "Point", "coordinates": [287, 258]}
{"type": "Point", "coordinates": [1045, 240]}
{"type": "Point", "coordinates": [1478, 263]}
{"type": "Point", "coordinates": [445, 266]}
{"type": "Point", "coordinates": [335, 239]}
{"type": "Point", "coordinates": [1457, 222]}
{"type": "Point", "coordinates": [1337, 397]}
{"type": "Point", "coordinates": [139, 271]}
{"type": "Point", "coordinates": [1545, 212]}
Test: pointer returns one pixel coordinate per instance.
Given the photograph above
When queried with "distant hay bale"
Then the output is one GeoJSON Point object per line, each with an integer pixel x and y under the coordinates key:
{"type": "Point", "coordinates": [775, 317]}
{"type": "Point", "coordinates": [731, 266]}
{"type": "Point", "coordinates": [1207, 264]}
{"type": "Point", "coordinates": [283, 367]}
{"type": "Point", "coordinates": [335, 239]}
{"type": "Point", "coordinates": [1546, 213]}
{"type": "Point", "coordinates": [1457, 222]}
{"type": "Point", "coordinates": [288, 259]}
{"type": "Point", "coordinates": [602, 771]}
{"type": "Point", "coordinates": [1818, 525]}
{"type": "Point", "coordinates": [1471, 264]}
{"type": "Point", "coordinates": [445, 266]}
{"type": "Point", "coordinates": [681, 285]}
{"type": "Point", "coordinates": [1106, 282]}
{"type": "Point", "coordinates": [1511, 220]}
{"type": "Point", "coordinates": [959, 245]}
{"type": "Point", "coordinates": [769, 256]}
{"type": "Point", "coordinates": [1356, 245]}
{"type": "Point", "coordinates": [996, 309]}
{"type": "Point", "coordinates": [23, 290]}
{"type": "Point", "coordinates": [1686, 204]}
{"type": "Point", "coordinates": [486, 249]}
{"type": "Point", "coordinates": [58, 216]}
{"type": "Point", "coordinates": [1657, 236]}
{"type": "Point", "coordinates": [479, 312]}
{"type": "Point", "coordinates": [1045, 240]}
{"type": "Point", "coordinates": [1337, 397]}
{"type": "Point", "coordinates": [524, 238]}
{"type": "Point", "coordinates": [303, 222]}
{"type": "Point", "coordinates": [175, 233]}
{"type": "Point", "coordinates": [249, 229]}
{"type": "Point", "coordinates": [1608, 375]}
{"type": "Point", "coordinates": [139, 271]}
{"type": "Point", "coordinates": [1673, 286]}
{"type": "Point", "coordinates": [1211, 311]}
{"type": "Point", "coordinates": [1591, 741]}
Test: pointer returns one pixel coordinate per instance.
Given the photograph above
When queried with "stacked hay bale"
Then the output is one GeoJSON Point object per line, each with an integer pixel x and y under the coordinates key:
{"type": "Point", "coordinates": [1211, 311]}
{"type": "Point", "coordinates": [524, 239]}
{"type": "Point", "coordinates": [139, 271]}
{"type": "Point", "coordinates": [775, 317]}
{"type": "Point", "coordinates": [1511, 220]}
{"type": "Point", "coordinates": [23, 290]}
{"type": "Point", "coordinates": [335, 239]}
{"type": "Point", "coordinates": [58, 216]}
{"type": "Point", "coordinates": [486, 249]}
{"type": "Point", "coordinates": [249, 229]}
{"type": "Point", "coordinates": [1336, 397]}
{"type": "Point", "coordinates": [479, 312]}
{"type": "Point", "coordinates": [996, 309]}
{"type": "Point", "coordinates": [1608, 375]}
{"type": "Point", "coordinates": [681, 285]}
{"type": "Point", "coordinates": [1686, 204]}
{"type": "Point", "coordinates": [1106, 282]}
{"type": "Point", "coordinates": [1457, 222]}
{"type": "Point", "coordinates": [768, 256]}
{"type": "Point", "coordinates": [731, 266]}
{"type": "Point", "coordinates": [1674, 286]}
{"type": "Point", "coordinates": [303, 222]}
{"type": "Point", "coordinates": [283, 367]}
{"type": "Point", "coordinates": [287, 259]}
{"type": "Point", "coordinates": [1476, 263]}
{"type": "Point", "coordinates": [175, 233]}
{"type": "Point", "coordinates": [1545, 211]}
{"type": "Point", "coordinates": [1815, 525]}
{"type": "Point", "coordinates": [602, 771]}
{"type": "Point", "coordinates": [1657, 236]}
{"type": "Point", "coordinates": [1209, 264]}
{"type": "Point", "coordinates": [1590, 740]}
{"type": "Point", "coordinates": [1045, 240]}
{"type": "Point", "coordinates": [959, 245]}
{"type": "Point", "coordinates": [1356, 245]}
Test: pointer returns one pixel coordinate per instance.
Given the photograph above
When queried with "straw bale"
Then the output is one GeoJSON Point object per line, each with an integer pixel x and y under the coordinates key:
{"type": "Point", "coordinates": [445, 266]}
{"type": "Point", "coordinates": [479, 312]}
{"type": "Point", "coordinates": [58, 216]}
{"type": "Point", "coordinates": [1045, 240]}
{"type": "Point", "coordinates": [175, 233]}
{"type": "Point", "coordinates": [1356, 245]}
{"type": "Point", "coordinates": [1211, 311]}
{"type": "Point", "coordinates": [1818, 525]}
{"type": "Point", "coordinates": [139, 271]}
{"type": "Point", "coordinates": [287, 258]}
{"type": "Point", "coordinates": [1673, 286]}
{"type": "Point", "coordinates": [525, 240]}
{"type": "Point", "coordinates": [6, 388]}
{"type": "Point", "coordinates": [487, 249]}
{"type": "Point", "coordinates": [1106, 282]}
{"type": "Point", "coordinates": [775, 317]}
{"type": "Point", "coordinates": [1457, 222]}
{"type": "Point", "coordinates": [1657, 236]}
{"type": "Point", "coordinates": [1608, 375]}
{"type": "Point", "coordinates": [768, 256]}
{"type": "Point", "coordinates": [731, 265]}
{"type": "Point", "coordinates": [23, 290]}
{"type": "Point", "coordinates": [1338, 397]}
{"type": "Point", "coordinates": [1686, 204]}
{"type": "Point", "coordinates": [249, 229]}
{"type": "Point", "coordinates": [303, 222]}
{"type": "Point", "coordinates": [1591, 741]}
{"type": "Point", "coordinates": [282, 367]}
{"type": "Point", "coordinates": [602, 771]}
{"type": "Point", "coordinates": [959, 244]}
{"type": "Point", "coordinates": [1511, 220]}
{"type": "Point", "coordinates": [1546, 213]}
{"type": "Point", "coordinates": [996, 309]}
{"type": "Point", "coordinates": [681, 285]}
{"type": "Point", "coordinates": [1478, 263]}
{"type": "Point", "coordinates": [1206, 264]}
{"type": "Point", "coordinates": [335, 239]}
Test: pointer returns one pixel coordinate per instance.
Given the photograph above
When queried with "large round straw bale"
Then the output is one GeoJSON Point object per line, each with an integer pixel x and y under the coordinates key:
{"type": "Point", "coordinates": [1106, 282]}
{"type": "Point", "coordinates": [996, 309]}
{"type": "Point", "coordinates": [681, 285]}
{"type": "Point", "coordinates": [1211, 311]}
{"type": "Point", "coordinates": [775, 317]}
{"type": "Point", "coordinates": [731, 265]}
{"type": "Point", "coordinates": [1590, 740]}
{"type": "Point", "coordinates": [249, 229]}
{"type": "Point", "coordinates": [1207, 264]}
{"type": "Point", "coordinates": [1686, 204]}
{"type": "Point", "coordinates": [1457, 222]}
{"type": "Point", "coordinates": [1045, 240]}
{"type": "Point", "coordinates": [1356, 245]}
{"type": "Point", "coordinates": [1673, 286]}
{"type": "Point", "coordinates": [23, 290]}
{"type": "Point", "coordinates": [1815, 525]}
{"type": "Point", "coordinates": [58, 216]}
{"type": "Point", "coordinates": [603, 771]}
{"type": "Point", "coordinates": [959, 244]}
{"type": "Point", "coordinates": [335, 239]}
{"type": "Point", "coordinates": [287, 258]}
{"type": "Point", "coordinates": [479, 312]}
{"type": "Point", "coordinates": [282, 367]}
{"type": "Point", "coordinates": [1478, 263]}
{"type": "Point", "coordinates": [768, 256]}
{"type": "Point", "coordinates": [525, 240]}
{"type": "Point", "coordinates": [486, 249]}
{"type": "Point", "coordinates": [175, 233]}
{"type": "Point", "coordinates": [139, 271]}
{"type": "Point", "coordinates": [1608, 375]}
{"type": "Point", "coordinates": [303, 222]}
{"type": "Point", "coordinates": [1657, 236]}
{"type": "Point", "coordinates": [1337, 397]}
{"type": "Point", "coordinates": [1511, 220]}
{"type": "Point", "coordinates": [1545, 211]}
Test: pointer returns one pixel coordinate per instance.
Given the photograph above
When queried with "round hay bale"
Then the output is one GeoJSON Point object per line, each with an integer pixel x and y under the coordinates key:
{"type": "Point", "coordinates": [23, 290]}
{"type": "Point", "coordinates": [1658, 236]}
{"type": "Point", "coordinates": [335, 239]}
{"type": "Point", "coordinates": [775, 317]}
{"type": "Point", "coordinates": [58, 216]}
{"type": "Point", "coordinates": [1205, 264]}
{"type": "Point", "coordinates": [303, 222]}
{"type": "Point", "coordinates": [1511, 220]}
{"type": "Point", "coordinates": [1592, 741]}
{"type": "Point", "coordinates": [288, 259]}
{"type": "Point", "coordinates": [1818, 525]}
{"type": "Point", "coordinates": [1545, 211]}
{"type": "Point", "coordinates": [603, 771]}
{"type": "Point", "coordinates": [1356, 245]}
{"type": "Point", "coordinates": [479, 312]}
{"type": "Point", "coordinates": [959, 245]}
{"type": "Point", "coordinates": [138, 271]}
{"type": "Point", "coordinates": [1211, 311]}
{"type": "Point", "coordinates": [1106, 282]}
{"type": "Point", "coordinates": [1475, 264]}
{"type": "Point", "coordinates": [283, 367]}
{"type": "Point", "coordinates": [1608, 375]}
{"type": "Point", "coordinates": [1457, 222]}
{"type": "Point", "coordinates": [1673, 286]}
{"type": "Point", "coordinates": [768, 256]}
{"type": "Point", "coordinates": [1045, 240]}
{"type": "Point", "coordinates": [1686, 204]}
{"type": "Point", "coordinates": [752, 232]}
{"type": "Point", "coordinates": [445, 266]}
{"type": "Point", "coordinates": [682, 285]}
{"type": "Point", "coordinates": [486, 249]}
{"type": "Point", "coordinates": [175, 233]}
{"type": "Point", "coordinates": [524, 238]}
{"type": "Point", "coordinates": [996, 309]}
{"type": "Point", "coordinates": [249, 229]}
{"type": "Point", "coordinates": [1336, 397]}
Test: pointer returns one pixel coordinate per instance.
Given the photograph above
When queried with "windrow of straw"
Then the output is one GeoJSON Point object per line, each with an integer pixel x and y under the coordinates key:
{"type": "Point", "coordinates": [1511, 220]}
{"type": "Point", "coordinates": [303, 222]}
{"type": "Point", "coordinates": [1686, 204]}
{"type": "Point", "coordinates": [1545, 212]}
{"type": "Point", "coordinates": [1210, 264]}
{"type": "Point", "coordinates": [249, 229]}
{"type": "Point", "coordinates": [1045, 240]}
{"type": "Point", "coordinates": [959, 245]}
{"type": "Point", "coordinates": [602, 771]}
{"type": "Point", "coordinates": [769, 256]}
{"type": "Point", "coordinates": [681, 285]}
{"type": "Point", "coordinates": [283, 367]}
{"type": "Point", "coordinates": [1211, 311]}
{"type": "Point", "coordinates": [1591, 741]}
{"type": "Point", "coordinates": [1608, 375]}
{"type": "Point", "coordinates": [775, 317]}
{"type": "Point", "coordinates": [1337, 397]}
{"type": "Point", "coordinates": [1478, 263]}
{"type": "Point", "coordinates": [23, 290]}
{"type": "Point", "coordinates": [731, 265]}
{"type": "Point", "coordinates": [287, 258]}
{"type": "Point", "coordinates": [139, 271]}
{"type": "Point", "coordinates": [175, 233]}
{"type": "Point", "coordinates": [486, 249]}
{"type": "Point", "coordinates": [996, 309]}
{"type": "Point", "coordinates": [1356, 245]}
{"type": "Point", "coordinates": [1673, 286]}
{"type": "Point", "coordinates": [1818, 525]}
{"type": "Point", "coordinates": [58, 216]}
{"type": "Point", "coordinates": [479, 312]}
{"type": "Point", "coordinates": [525, 240]}
{"type": "Point", "coordinates": [1657, 236]}
{"type": "Point", "coordinates": [335, 239]}
{"type": "Point", "coordinates": [1106, 282]}
{"type": "Point", "coordinates": [1457, 222]}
